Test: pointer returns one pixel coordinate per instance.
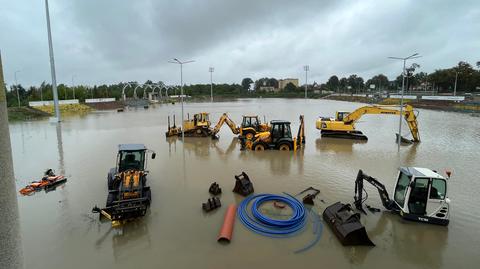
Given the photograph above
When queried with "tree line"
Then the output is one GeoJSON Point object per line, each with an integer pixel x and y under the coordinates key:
{"type": "Point", "coordinates": [442, 81]}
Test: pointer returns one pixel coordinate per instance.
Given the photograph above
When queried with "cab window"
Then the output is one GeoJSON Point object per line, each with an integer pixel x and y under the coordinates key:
{"type": "Point", "coordinates": [438, 189]}
{"type": "Point", "coordinates": [401, 189]}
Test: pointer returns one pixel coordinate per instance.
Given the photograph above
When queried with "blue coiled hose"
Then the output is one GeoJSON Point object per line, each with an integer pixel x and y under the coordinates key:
{"type": "Point", "coordinates": [261, 224]}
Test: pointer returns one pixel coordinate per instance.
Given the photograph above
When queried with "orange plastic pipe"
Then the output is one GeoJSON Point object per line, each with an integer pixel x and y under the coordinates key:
{"type": "Point", "coordinates": [227, 227]}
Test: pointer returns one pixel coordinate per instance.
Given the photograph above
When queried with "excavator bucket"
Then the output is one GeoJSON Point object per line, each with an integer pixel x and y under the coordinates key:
{"type": "Point", "coordinates": [346, 225]}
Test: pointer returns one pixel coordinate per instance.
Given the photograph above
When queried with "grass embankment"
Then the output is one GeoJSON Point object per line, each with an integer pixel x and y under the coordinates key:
{"type": "Point", "coordinates": [72, 109]}
{"type": "Point", "coordinates": [25, 113]}
{"type": "Point", "coordinates": [30, 113]}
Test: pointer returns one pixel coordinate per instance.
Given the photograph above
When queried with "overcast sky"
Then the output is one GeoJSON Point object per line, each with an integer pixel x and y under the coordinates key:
{"type": "Point", "coordinates": [109, 41]}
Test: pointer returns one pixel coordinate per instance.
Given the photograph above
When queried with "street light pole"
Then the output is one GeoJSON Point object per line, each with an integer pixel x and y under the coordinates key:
{"type": "Point", "coordinates": [16, 86]}
{"type": "Point", "coordinates": [455, 88]}
{"type": "Point", "coordinates": [413, 56]}
{"type": "Point", "coordinates": [211, 69]}
{"type": "Point", "coordinates": [306, 68]}
{"type": "Point", "coordinates": [176, 61]}
{"type": "Point", "coordinates": [52, 65]}
{"type": "Point", "coordinates": [73, 86]}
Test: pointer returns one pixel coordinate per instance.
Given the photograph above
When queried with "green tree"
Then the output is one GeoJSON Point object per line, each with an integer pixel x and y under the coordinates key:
{"type": "Point", "coordinates": [380, 81]}
{"type": "Point", "coordinates": [333, 83]}
{"type": "Point", "coordinates": [246, 82]}
{"type": "Point", "coordinates": [290, 87]}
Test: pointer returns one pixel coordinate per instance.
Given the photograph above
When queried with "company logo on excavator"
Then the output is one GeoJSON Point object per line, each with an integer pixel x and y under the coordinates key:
{"type": "Point", "coordinates": [387, 112]}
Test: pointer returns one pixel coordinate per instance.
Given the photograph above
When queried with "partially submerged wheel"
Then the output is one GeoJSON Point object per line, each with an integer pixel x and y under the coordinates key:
{"type": "Point", "coordinates": [249, 135]}
{"type": "Point", "coordinates": [284, 147]}
{"type": "Point", "coordinates": [259, 147]}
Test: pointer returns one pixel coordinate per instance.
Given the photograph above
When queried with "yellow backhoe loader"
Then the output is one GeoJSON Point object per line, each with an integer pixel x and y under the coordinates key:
{"type": "Point", "coordinates": [279, 137]}
{"type": "Point", "coordinates": [198, 126]}
{"type": "Point", "coordinates": [343, 125]}
{"type": "Point", "coordinates": [250, 126]}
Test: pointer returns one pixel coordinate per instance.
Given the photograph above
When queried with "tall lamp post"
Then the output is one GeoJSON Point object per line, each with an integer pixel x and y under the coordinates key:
{"type": "Point", "coordinates": [211, 69]}
{"type": "Point", "coordinates": [306, 68]}
{"type": "Point", "coordinates": [18, 94]}
{"type": "Point", "coordinates": [404, 59]}
{"type": "Point", "coordinates": [176, 61]}
{"type": "Point", "coordinates": [454, 88]}
{"type": "Point", "coordinates": [52, 65]}
{"type": "Point", "coordinates": [73, 86]}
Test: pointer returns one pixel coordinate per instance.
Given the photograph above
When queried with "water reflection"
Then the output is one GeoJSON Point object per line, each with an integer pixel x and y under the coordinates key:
{"type": "Point", "coordinates": [337, 145]}
{"type": "Point", "coordinates": [406, 238]}
{"type": "Point", "coordinates": [60, 148]}
{"type": "Point", "coordinates": [131, 238]}
{"type": "Point", "coordinates": [202, 146]}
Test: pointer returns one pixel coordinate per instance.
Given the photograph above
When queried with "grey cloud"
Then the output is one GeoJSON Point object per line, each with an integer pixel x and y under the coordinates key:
{"type": "Point", "coordinates": [110, 41]}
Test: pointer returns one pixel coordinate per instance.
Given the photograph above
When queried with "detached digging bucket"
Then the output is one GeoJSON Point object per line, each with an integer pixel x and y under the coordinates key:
{"type": "Point", "coordinates": [345, 224]}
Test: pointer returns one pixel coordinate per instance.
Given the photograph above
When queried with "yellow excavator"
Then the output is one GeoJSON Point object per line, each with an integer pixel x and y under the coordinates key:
{"type": "Point", "coordinates": [198, 126]}
{"type": "Point", "coordinates": [279, 137]}
{"type": "Point", "coordinates": [343, 125]}
{"type": "Point", "coordinates": [250, 126]}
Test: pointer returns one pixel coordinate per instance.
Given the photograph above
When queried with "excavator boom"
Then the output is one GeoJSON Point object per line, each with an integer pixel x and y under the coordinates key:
{"type": "Point", "coordinates": [225, 119]}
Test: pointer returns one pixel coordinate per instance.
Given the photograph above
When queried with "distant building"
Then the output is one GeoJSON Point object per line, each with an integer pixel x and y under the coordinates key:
{"type": "Point", "coordinates": [283, 82]}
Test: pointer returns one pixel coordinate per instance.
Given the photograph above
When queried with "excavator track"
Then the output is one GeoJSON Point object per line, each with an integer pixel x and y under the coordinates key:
{"type": "Point", "coordinates": [357, 135]}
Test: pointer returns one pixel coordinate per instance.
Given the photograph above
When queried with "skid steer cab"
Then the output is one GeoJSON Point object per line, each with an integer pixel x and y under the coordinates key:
{"type": "Point", "coordinates": [129, 196]}
{"type": "Point", "coordinates": [420, 194]}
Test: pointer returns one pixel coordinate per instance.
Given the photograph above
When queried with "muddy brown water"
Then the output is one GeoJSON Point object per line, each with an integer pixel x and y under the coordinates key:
{"type": "Point", "coordinates": [59, 231]}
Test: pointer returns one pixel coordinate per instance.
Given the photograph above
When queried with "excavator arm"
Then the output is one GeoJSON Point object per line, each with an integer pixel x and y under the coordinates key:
{"type": "Point", "coordinates": [407, 112]}
{"type": "Point", "coordinates": [225, 119]}
{"type": "Point", "coordinates": [387, 203]}
{"type": "Point", "coordinates": [301, 132]}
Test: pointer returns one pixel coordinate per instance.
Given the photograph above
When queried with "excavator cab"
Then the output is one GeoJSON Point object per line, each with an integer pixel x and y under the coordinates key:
{"type": "Point", "coordinates": [421, 195]}
{"type": "Point", "coordinates": [340, 115]}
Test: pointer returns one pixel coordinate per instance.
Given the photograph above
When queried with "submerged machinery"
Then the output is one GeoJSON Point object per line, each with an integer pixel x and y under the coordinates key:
{"type": "Point", "coordinates": [129, 196]}
{"type": "Point", "coordinates": [198, 126]}
{"type": "Point", "coordinates": [343, 125]}
{"type": "Point", "coordinates": [279, 137]}
{"type": "Point", "coordinates": [420, 194]}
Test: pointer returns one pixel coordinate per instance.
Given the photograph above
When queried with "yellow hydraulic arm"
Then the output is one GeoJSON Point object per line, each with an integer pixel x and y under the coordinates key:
{"type": "Point", "coordinates": [407, 112]}
{"type": "Point", "coordinates": [225, 119]}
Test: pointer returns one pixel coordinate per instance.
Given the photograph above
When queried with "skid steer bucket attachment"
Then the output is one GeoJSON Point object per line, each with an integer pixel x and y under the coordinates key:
{"type": "Point", "coordinates": [346, 225]}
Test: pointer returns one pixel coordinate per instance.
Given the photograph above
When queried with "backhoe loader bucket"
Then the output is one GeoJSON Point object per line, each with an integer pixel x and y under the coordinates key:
{"type": "Point", "coordinates": [243, 185]}
{"type": "Point", "coordinates": [346, 225]}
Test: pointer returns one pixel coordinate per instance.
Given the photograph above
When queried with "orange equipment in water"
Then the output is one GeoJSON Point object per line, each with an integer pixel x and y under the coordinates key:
{"type": "Point", "coordinates": [48, 181]}
{"type": "Point", "coordinates": [227, 227]}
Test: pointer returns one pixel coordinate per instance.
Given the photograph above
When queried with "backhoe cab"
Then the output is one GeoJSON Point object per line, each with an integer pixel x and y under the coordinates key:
{"type": "Point", "coordinates": [128, 193]}
{"type": "Point", "coordinates": [198, 126]}
{"type": "Point", "coordinates": [251, 125]}
{"type": "Point", "coordinates": [279, 137]}
{"type": "Point", "coordinates": [420, 194]}
{"type": "Point", "coordinates": [343, 125]}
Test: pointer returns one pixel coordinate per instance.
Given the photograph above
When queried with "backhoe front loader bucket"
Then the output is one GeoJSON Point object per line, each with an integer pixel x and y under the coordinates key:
{"type": "Point", "coordinates": [346, 225]}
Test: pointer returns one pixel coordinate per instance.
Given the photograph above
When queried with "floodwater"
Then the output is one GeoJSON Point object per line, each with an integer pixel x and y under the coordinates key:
{"type": "Point", "coordinates": [59, 230]}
